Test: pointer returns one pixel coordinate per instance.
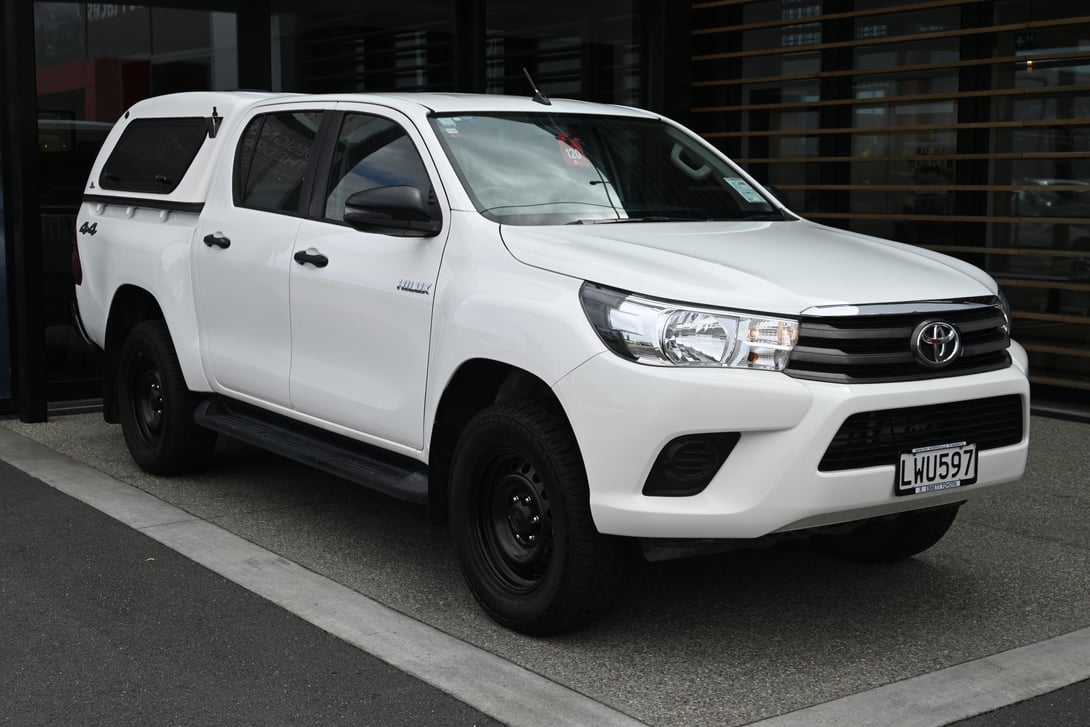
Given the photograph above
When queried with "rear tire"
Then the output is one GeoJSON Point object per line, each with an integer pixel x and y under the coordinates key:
{"type": "Point", "coordinates": [895, 538]}
{"type": "Point", "coordinates": [520, 519]}
{"type": "Point", "coordinates": [155, 407]}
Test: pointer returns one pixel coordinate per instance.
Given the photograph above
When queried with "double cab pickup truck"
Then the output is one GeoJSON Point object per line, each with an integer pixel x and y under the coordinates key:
{"type": "Point", "coordinates": [573, 331]}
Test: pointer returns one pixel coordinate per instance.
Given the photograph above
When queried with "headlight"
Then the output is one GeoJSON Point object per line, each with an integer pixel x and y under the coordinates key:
{"type": "Point", "coordinates": [667, 334]}
{"type": "Point", "coordinates": [1005, 306]}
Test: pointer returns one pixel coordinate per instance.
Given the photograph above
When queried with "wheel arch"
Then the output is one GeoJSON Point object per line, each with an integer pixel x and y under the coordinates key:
{"type": "Point", "coordinates": [476, 384]}
{"type": "Point", "coordinates": [132, 304]}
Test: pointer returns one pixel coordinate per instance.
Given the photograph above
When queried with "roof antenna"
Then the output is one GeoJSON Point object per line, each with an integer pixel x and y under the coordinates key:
{"type": "Point", "coordinates": [539, 97]}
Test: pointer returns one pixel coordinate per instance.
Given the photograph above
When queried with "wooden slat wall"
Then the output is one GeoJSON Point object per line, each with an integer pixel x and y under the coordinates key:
{"type": "Point", "coordinates": [978, 183]}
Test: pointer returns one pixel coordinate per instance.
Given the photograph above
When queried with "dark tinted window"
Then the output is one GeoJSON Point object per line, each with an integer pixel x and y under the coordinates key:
{"type": "Point", "coordinates": [371, 152]}
{"type": "Point", "coordinates": [153, 155]}
{"type": "Point", "coordinates": [272, 160]}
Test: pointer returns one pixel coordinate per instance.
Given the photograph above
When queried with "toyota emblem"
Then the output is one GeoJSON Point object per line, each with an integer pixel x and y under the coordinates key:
{"type": "Point", "coordinates": [936, 344]}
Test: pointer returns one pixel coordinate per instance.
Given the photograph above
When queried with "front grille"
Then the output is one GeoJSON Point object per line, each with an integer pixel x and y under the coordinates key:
{"type": "Point", "coordinates": [876, 438]}
{"type": "Point", "coordinates": [874, 344]}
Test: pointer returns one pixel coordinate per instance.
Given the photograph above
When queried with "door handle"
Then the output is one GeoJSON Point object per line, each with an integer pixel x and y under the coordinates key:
{"type": "Point", "coordinates": [311, 256]}
{"type": "Point", "coordinates": [217, 240]}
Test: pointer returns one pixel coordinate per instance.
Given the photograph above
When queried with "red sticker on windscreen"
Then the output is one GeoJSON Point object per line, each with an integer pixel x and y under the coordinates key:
{"type": "Point", "coordinates": [572, 150]}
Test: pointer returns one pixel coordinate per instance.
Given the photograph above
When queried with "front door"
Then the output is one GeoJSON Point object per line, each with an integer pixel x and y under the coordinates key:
{"type": "Point", "coordinates": [361, 323]}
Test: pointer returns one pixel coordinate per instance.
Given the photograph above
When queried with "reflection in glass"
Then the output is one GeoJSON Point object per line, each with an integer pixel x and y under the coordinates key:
{"type": "Point", "coordinates": [5, 334]}
{"type": "Point", "coordinates": [546, 169]}
{"type": "Point", "coordinates": [372, 152]}
{"type": "Point", "coordinates": [94, 60]}
{"type": "Point", "coordinates": [325, 47]}
{"type": "Point", "coordinates": [973, 143]}
{"type": "Point", "coordinates": [572, 48]}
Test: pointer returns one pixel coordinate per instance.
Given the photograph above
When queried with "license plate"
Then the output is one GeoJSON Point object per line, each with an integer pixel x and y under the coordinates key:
{"type": "Point", "coordinates": [938, 467]}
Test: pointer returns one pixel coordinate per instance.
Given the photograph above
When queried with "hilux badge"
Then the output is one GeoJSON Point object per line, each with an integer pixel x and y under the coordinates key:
{"type": "Point", "coordinates": [412, 286]}
{"type": "Point", "coordinates": [936, 344]}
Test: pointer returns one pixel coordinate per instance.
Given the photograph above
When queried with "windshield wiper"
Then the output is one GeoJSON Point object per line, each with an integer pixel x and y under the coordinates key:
{"type": "Point", "coordinates": [649, 218]}
{"type": "Point", "coordinates": [744, 217]}
{"type": "Point", "coordinates": [753, 216]}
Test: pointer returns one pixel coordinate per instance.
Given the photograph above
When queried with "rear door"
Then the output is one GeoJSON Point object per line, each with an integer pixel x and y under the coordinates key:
{"type": "Point", "coordinates": [243, 251]}
{"type": "Point", "coordinates": [361, 323]}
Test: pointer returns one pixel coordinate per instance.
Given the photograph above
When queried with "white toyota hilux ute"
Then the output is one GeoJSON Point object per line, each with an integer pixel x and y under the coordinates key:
{"type": "Point", "coordinates": [570, 329]}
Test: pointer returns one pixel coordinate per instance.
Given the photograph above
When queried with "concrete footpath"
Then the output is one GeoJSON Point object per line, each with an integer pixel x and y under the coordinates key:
{"type": "Point", "coordinates": [259, 592]}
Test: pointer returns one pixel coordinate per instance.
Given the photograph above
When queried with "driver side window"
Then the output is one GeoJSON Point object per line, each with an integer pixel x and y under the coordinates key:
{"type": "Point", "coordinates": [371, 152]}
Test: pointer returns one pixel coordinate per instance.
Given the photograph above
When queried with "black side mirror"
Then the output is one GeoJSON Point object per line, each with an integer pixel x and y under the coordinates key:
{"type": "Point", "coordinates": [399, 209]}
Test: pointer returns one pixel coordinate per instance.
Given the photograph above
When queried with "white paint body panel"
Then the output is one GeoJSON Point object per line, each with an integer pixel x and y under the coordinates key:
{"type": "Point", "coordinates": [343, 349]}
{"type": "Point", "coordinates": [147, 249]}
{"type": "Point", "coordinates": [771, 480]}
{"type": "Point", "coordinates": [242, 300]}
{"type": "Point", "coordinates": [360, 340]}
{"type": "Point", "coordinates": [359, 344]}
{"type": "Point", "coordinates": [772, 267]}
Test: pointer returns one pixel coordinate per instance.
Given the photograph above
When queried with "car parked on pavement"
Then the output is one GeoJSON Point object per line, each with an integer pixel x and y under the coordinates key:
{"type": "Point", "coordinates": [567, 328]}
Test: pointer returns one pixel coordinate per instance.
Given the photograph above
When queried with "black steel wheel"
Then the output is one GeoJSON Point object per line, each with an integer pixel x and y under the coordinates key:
{"type": "Point", "coordinates": [521, 522]}
{"type": "Point", "coordinates": [894, 538]}
{"type": "Point", "coordinates": [155, 407]}
{"type": "Point", "coordinates": [147, 400]}
{"type": "Point", "coordinates": [514, 521]}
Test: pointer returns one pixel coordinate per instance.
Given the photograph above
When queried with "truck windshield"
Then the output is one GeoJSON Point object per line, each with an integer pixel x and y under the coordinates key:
{"type": "Point", "coordinates": [549, 169]}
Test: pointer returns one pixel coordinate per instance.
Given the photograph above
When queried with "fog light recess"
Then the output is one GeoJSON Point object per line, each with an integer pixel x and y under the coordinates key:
{"type": "Point", "coordinates": [687, 464]}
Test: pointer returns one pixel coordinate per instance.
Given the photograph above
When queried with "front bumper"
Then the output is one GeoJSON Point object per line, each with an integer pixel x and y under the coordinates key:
{"type": "Point", "coordinates": [623, 414]}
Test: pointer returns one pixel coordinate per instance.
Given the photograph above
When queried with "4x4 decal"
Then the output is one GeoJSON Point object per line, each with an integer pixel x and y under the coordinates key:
{"type": "Point", "coordinates": [88, 229]}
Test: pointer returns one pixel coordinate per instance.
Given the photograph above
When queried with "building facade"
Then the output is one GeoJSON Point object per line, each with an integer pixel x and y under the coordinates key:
{"type": "Point", "coordinates": [959, 125]}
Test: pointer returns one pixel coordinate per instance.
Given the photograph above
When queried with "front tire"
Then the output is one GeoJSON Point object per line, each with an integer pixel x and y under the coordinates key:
{"type": "Point", "coordinates": [888, 539]}
{"type": "Point", "coordinates": [155, 407]}
{"type": "Point", "coordinates": [521, 523]}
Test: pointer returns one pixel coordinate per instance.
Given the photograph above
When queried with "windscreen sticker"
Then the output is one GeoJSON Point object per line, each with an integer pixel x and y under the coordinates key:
{"type": "Point", "coordinates": [742, 187]}
{"type": "Point", "coordinates": [450, 125]}
{"type": "Point", "coordinates": [571, 149]}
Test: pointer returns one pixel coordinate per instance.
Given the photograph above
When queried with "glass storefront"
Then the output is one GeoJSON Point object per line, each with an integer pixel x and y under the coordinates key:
{"type": "Point", "coordinates": [580, 50]}
{"type": "Point", "coordinates": [5, 329]}
{"type": "Point", "coordinates": [94, 60]}
{"type": "Point", "coordinates": [962, 127]}
{"type": "Point", "coordinates": [326, 45]}
{"type": "Point", "coordinates": [572, 49]}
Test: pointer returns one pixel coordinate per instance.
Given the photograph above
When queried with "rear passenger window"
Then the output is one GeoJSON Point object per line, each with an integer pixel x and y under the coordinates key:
{"type": "Point", "coordinates": [153, 155]}
{"type": "Point", "coordinates": [272, 160]}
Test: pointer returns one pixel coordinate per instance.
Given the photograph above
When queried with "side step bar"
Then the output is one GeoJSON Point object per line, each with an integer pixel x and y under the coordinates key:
{"type": "Point", "coordinates": [363, 464]}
